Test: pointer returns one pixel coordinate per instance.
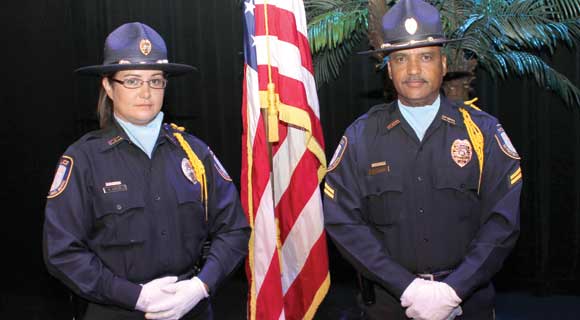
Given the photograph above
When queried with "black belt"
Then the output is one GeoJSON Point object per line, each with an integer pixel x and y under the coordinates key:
{"type": "Point", "coordinates": [435, 276]}
{"type": "Point", "coordinates": [367, 286]}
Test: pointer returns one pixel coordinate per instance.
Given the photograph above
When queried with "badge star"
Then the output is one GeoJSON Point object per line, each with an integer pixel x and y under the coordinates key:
{"type": "Point", "coordinates": [249, 7]}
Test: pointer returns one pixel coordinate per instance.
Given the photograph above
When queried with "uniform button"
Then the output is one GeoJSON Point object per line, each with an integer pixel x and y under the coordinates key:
{"type": "Point", "coordinates": [157, 198]}
{"type": "Point", "coordinates": [421, 210]}
{"type": "Point", "coordinates": [419, 178]}
{"type": "Point", "coordinates": [163, 233]}
{"type": "Point", "coordinates": [119, 207]}
{"type": "Point", "coordinates": [462, 186]}
{"type": "Point", "coordinates": [425, 240]}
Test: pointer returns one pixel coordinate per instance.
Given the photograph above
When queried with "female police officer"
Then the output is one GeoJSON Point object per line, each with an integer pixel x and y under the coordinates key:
{"type": "Point", "coordinates": [132, 204]}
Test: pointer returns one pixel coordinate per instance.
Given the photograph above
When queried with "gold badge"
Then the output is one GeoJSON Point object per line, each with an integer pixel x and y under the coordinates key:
{"type": "Point", "coordinates": [145, 47]}
{"type": "Point", "coordinates": [461, 152]}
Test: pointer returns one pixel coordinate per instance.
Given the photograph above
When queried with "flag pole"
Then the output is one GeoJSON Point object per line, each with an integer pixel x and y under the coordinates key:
{"type": "Point", "coordinates": [270, 118]}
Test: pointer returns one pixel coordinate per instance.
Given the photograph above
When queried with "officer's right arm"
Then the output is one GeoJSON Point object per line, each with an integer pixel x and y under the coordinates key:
{"type": "Point", "coordinates": [345, 221]}
{"type": "Point", "coordinates": [67, 226]}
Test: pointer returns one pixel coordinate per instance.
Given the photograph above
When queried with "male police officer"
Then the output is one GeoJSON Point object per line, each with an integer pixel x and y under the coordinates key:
{"type": "Point", "coordinates": [422, 195]}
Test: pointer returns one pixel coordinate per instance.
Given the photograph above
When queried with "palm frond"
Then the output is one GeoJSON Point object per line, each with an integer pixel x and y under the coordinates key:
{"type": "Point", "coordinates": [335, 27]}
{"type": "Point", "coordinates": [526, 64]}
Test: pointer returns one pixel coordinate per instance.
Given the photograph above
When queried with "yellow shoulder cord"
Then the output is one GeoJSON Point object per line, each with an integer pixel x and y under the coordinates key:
{"type": "Point", "coordinates": [197, 165]}
{"type": "Point", "coordinates": [475, 136]}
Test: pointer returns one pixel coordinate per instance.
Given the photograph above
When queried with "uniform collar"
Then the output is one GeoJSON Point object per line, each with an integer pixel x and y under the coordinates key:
{"type": "Point", "coordinates": [114, 135]}
{"type": "Point", "coordinates": [448, 114]}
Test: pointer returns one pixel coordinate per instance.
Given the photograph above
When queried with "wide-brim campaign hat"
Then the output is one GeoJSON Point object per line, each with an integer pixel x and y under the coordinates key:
{"type": "Point", "coordinates": [135, 46]}
{"type": "Point", "coordinates": [411, 24]}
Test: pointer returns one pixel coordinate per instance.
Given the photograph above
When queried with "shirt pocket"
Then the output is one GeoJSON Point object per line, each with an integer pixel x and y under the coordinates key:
{"type": "Point", "coordinates": [120, 219]}
{"type": "Point", "coordinates": [384, 198]}
{"type": "Point", "coordinates": [456, 189]}
{"type": "Point", "coordinates": [191, 221]}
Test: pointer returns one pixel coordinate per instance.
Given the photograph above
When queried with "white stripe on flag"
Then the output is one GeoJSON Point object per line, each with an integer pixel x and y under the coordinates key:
{"type": "Point", "coordinates": [265, 237]}
{"type": "Point", "coordinates": [286, 159]}
{"type": "Point", "coordinates": [253, 100]}
{"type": "Point", "coordinates": [296, 7]}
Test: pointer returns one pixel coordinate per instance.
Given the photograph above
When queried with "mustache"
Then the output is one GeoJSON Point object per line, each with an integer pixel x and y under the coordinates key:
{"type": "Point", "coordinates": [414, 79]}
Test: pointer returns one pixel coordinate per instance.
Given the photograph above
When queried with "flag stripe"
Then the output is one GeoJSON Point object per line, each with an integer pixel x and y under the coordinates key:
{"type": "Point", "coordinates": [296, 299]}
{"type": "Point", "coordinates": [278, 17]}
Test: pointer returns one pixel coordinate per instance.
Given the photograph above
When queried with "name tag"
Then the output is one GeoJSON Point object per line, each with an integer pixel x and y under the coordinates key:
{"type": "Point", "coordinates": [379, 167]}
{"type": "Point", "coordinates": [115, 186]}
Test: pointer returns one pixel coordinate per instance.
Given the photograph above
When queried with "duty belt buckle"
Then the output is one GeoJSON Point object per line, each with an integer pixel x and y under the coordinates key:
{"type": "Point", "coordinates": [427, 276]}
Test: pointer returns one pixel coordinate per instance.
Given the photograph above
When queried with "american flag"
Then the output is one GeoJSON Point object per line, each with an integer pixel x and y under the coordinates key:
{"type": "Point", "coordinates": [287, 266]}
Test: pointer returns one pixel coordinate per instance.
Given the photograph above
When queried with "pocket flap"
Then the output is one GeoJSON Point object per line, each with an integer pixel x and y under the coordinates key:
{"type": "Point", "coordinates": [384, 182]}
{"type": "Point", "coordinates": [456, 178]}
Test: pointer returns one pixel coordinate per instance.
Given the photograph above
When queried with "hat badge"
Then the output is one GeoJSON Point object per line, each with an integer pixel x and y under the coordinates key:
{"type": "Point", "coordinates": [145, 46]}
{"type": "Point", "coordinates": [411, 25]}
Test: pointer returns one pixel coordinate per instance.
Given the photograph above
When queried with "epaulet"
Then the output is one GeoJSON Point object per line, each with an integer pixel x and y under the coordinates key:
{"type": "Point", "coordinates": [378, 108]}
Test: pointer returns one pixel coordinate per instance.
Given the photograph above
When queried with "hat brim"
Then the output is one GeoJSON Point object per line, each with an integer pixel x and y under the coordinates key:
{"type": "Point", "coordinates": [173, 69]}
{"type": "Point", "coordinates": [410, 45]}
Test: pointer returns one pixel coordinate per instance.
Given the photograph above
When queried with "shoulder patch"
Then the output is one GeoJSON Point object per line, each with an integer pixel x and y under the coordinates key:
{"type": "Point", "coordinates": [338, 153]}
{"type": "Point", "coordinates": [61, 177]}
{"type": "Point", "coordinates": [504, 142]}
{"type": "Point", "coordinates": [219, 167]}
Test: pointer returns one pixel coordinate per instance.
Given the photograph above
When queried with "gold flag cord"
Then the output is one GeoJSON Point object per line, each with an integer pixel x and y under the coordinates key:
{"type": "Point", "coordinates": [273, 99]}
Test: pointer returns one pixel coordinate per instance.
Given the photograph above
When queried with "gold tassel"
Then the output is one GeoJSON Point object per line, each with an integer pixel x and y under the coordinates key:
{"type": "Point", "coordinates": [272, 113]}
{"type": "Point", "coordinates": [476, 138]}
{"type": "Point", "coordinates": [196, 164]}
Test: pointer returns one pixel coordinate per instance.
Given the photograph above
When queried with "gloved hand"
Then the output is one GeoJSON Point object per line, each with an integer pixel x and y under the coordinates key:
{"type": "Point", "coordinates": [185, 295]}
{"type": "Point", "coordinates": [151, 293]}
{"type": "Point", "coordinates": [429, 300]}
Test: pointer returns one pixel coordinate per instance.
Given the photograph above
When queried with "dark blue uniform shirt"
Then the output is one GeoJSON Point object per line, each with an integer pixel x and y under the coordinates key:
{"type": "Point", "coordinates": [396, 206]}
{"type": "Point", "coordinates": [116, 219]}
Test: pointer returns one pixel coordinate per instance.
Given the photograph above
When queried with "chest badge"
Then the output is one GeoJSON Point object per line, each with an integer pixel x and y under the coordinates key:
{"type": "Point", "coordinates": [188, 170]}
{"type": "Point", "coordinates": [461, 152]}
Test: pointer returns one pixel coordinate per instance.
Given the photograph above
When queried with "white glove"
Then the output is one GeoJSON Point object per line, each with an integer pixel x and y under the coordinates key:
{"type": "Point", "coordinates": [429, 300]}
{"type": "Point", "coordinates": [185, 295]}
{"type": "Point", "coordinates": [151, 293]}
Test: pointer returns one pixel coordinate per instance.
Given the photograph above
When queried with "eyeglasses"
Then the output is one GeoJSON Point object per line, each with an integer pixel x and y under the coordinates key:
{"type": "Point", "coordinates": [134, 83]}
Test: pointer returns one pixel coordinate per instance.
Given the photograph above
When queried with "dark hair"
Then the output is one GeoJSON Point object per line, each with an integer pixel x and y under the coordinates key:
{"type": "Point", "coordinates": [104, 108]}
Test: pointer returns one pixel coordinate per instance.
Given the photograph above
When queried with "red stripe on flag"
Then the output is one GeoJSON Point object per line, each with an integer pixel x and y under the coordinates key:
{"type": "Point", "coordinates": [302, 184]}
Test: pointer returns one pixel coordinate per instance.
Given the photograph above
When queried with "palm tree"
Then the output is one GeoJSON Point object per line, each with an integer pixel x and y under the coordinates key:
{"type": "Point", "coordinates": [504, 37]}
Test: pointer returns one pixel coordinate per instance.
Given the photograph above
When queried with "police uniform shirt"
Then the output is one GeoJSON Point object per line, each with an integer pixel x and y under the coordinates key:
{"type": "Point", "coordinates": [396, 206]}
{"type": "Point", "coordinates": [116, 219]}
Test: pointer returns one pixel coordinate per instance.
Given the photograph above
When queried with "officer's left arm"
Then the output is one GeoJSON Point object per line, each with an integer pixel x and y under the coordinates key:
{"type": "Point", "coordinates": [499, 225]}
{"type": "Point", "coordinates": [228, 226]}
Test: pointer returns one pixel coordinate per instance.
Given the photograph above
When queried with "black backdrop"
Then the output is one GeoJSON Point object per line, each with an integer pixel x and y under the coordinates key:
{"type": "Point", "coordinates": [45, 107]}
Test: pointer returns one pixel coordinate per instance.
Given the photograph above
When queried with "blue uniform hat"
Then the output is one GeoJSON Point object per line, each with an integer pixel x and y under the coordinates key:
{"type": "Point", "coordinates": [411, 24]}
{"type": "Point", "coordinates": [135, 46]}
